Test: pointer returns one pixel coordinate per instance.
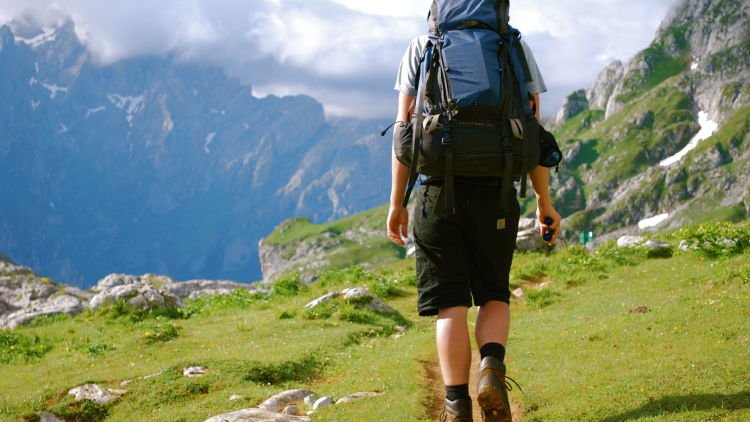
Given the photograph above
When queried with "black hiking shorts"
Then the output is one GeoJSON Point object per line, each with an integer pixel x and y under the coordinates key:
{"type": "Point", "coordinates": [467, 256]}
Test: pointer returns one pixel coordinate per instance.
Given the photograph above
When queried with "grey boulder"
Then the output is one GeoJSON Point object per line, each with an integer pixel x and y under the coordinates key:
{"type": "Point", "coordinates": [257, 415]}
{"type": "Point", "coordinates": [139, 295]}
{"type": "Point", "coordinates": [96, 393]}
{"type": "Point", "coordinates": [277, 402]}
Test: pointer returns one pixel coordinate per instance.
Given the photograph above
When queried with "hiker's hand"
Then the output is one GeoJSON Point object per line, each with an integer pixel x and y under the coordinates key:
{"type": "Point", "coordinates": [543, 212]}
{"type": "Point", "coordinates": [398, 223]}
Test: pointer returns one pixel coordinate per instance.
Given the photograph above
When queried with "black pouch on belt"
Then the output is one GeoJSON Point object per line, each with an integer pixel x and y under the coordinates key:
{"type": "Point", "coordinates": [402, 142]}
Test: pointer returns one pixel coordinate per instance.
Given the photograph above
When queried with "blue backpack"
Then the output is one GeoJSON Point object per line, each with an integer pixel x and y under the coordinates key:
{"type": "Point", "coordinates": [472, 112]}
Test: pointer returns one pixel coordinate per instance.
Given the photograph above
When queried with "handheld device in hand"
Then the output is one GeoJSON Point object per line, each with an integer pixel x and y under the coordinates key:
{"type": "Point", "coordinates": [548, 233]}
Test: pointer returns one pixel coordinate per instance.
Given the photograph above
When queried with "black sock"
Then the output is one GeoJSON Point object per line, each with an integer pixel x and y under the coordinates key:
{"type": "Point", "coordinates": [453, 392]}
{"type": "Point", "coordinates": [495, 350]}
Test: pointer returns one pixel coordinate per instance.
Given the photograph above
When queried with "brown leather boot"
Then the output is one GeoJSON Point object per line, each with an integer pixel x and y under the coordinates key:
{"type": "Point", "coordinates": [458, 410]}
{"type": "Point", "coordinates": [492, 392]}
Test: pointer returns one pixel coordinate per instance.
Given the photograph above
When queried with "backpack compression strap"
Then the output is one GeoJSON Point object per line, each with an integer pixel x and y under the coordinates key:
{"type": "Point", "coordinates": [418, 127]}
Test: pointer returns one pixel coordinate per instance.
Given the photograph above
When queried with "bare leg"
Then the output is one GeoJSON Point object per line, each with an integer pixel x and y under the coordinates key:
{"type": "Point", "coordinates": [493, 323]}
{"type": "Point", "coordinates": [454, 349]}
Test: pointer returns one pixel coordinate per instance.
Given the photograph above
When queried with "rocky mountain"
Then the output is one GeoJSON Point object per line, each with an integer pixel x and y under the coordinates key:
{"type": "Point", "coordinates": [160, 165]}
{"type": "Point", "coordinates": [663, 140]}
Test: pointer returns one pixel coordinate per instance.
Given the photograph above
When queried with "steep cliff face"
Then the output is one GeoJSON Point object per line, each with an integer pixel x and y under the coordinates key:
{"type": "Point", "coordinates": [158, 165]}
{"type": "Point", "coordinates": [710, 38]}
{"type": "Point", "coordinates": [667, 134]}
{"type": "Point", "coordinates": [606, 81]}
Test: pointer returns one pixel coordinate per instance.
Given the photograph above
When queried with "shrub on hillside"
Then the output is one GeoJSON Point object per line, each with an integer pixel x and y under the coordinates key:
{"type": "Point", "coordinates": [238, 299]}
{"type": "Point", "coordinates": [356, 315]}
{"type": "Point", "coordinates": [290, 285]}
{"type": "Point", "coordinates": [15, 346]}
{"type": "Point", "coordinates": [121, 310]}
{"type": "Point", "coordinates": [295, 370]}
{"type": "Point", "coordinates": [385, 288]}
{"type": "Point", "coordinates": [322, 311]}
{"type": "Point", "coordinates": [84, 345]}
{"type": "Point", "coordinates": [539, 299]}
{"type": "Point", "coordinates": [154, 332]}
{"type": "Point", "coordinates": [81, 411]}
{"type": "Point", "coordinates": [349, 276]}
{"type": "Point", "coordinates": [620, 256]}
{"type": "Point", "coordinates": [716, 239]}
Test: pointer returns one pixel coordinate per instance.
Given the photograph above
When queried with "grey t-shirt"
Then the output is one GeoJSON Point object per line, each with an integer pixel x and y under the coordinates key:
{"type": "Point", "coordinates": [407, 71]}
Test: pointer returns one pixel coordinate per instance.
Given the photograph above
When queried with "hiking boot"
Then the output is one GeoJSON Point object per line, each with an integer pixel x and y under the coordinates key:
{"type": "Point", "coordinates": [458, 410]}
{"type": "Point", "coordinates": [492, 391]}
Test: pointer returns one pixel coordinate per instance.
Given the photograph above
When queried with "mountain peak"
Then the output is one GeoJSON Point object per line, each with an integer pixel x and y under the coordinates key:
{"type": "Point", "coordinates": [707, 27]}
{"type": "Point", "coordinates": [35, 35]}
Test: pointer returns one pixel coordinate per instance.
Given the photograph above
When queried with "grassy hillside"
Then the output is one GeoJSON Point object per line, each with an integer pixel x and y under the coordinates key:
{"type": "Point", "coordinates": [616, 171]}
{"type": "Point", "coordinates": [610, 335]}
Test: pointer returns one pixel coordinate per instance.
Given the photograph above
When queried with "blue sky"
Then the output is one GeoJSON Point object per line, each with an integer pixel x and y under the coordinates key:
{"type": "Point", "coordinates": [342, 52]}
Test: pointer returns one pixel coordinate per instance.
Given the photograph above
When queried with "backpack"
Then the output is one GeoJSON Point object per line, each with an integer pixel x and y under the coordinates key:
{"type": "Point", "coordinates": [472, 113]}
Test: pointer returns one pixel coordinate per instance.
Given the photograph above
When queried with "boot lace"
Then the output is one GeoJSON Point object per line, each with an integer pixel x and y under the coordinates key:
{"type": "Point", "coordinates": [509, 386]}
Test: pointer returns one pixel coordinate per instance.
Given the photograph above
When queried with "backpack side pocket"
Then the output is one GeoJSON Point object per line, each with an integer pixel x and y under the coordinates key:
{"type": "Point", "coordinates": [402, 142]}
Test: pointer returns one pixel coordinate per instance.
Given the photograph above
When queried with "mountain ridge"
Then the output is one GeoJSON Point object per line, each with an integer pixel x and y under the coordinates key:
{"type": "Point", "coordinates": [636, 118]}
{"type": "Point", "coordinates": [158, 165]}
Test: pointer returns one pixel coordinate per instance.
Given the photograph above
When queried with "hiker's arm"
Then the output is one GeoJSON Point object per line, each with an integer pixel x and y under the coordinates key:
{"type": "Point", "coordinates": [398, 216]}
{"type": "Point", "coordinates": [544, 208]}
{"type": "Point", "coordinates": [535, 106]}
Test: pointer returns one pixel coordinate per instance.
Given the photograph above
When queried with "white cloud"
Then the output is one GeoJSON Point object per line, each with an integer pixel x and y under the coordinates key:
{"type": "Point", "coordinates": [341, 49]}
{"type": "Point", "coordinates": [400, 8]}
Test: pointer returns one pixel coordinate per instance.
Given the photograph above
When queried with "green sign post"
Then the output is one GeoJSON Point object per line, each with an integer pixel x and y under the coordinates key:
{"type": "Point", "coordinates": [586, 237]}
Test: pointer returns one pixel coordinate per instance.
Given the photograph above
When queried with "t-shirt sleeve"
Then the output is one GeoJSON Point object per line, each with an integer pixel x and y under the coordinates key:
{"type": "Point", "coordinates": [536, 85]}
{"type": "Point", "coordinates": [406, 80]}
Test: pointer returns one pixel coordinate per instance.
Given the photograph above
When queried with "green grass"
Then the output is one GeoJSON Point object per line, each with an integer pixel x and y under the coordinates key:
{"type": "Point", "coordinates": [246, 347]}
{"type": "Point", "coordinates": [298, 229]}
{"type": "Point", "coordinates": [587, 357]}
{"type": "Point", "coordinates": [612, 335]}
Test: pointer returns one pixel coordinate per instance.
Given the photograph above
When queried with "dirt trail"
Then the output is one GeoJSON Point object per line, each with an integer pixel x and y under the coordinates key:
{"type": "Point", "coordinates": [432, 371]}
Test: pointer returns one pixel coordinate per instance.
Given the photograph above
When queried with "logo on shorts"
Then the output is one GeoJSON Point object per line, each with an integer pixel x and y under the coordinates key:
{"type": "Point", "coordinates": [501, 224]}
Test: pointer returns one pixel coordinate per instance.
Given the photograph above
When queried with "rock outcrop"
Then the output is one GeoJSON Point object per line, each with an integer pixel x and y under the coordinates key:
{"type": "Point", "coordinates": [712, 35]}
{"type": "Point", "coordinates": [572, 105]}
{"type": "Point", "coordinates": [528, 239]}
{"type": "Point", "coordinates": [138, 295]}
{"type": "Point", "coordinates": [598, 95]}
{"type": "Point", "coordinates": [25, 296]}
{"type": "Point", "coordinates": [257, 415]}
{"type": "Point", "coordinates": [287, 407]}
{"type": "Point", "coordinates": [96, 393]}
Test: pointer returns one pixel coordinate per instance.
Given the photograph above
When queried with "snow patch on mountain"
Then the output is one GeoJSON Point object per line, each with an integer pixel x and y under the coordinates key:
{"type": "Point", "coordinates": [708, 127]}
{"type": "Point", "coordinates": [652, 221]}
{"type": "Point", "coordinates": [209, 138]}
{"type": "Point", "coordinates": [63, 128]}
{"type": "Point", "coordinates": [33, 81]}
{"type": "Point", "coordinates": [54, 89]}
{"type": "Point", "coordinates": [168, 123]}
{"type": "Point", "coordinates": [129, 104]}
{"type": "Point", "coordinates": [91, 111]}
{"type": "Point", "coordinates": [35, 105]}
{"type": "Point", "coordinates": [47, 35]}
